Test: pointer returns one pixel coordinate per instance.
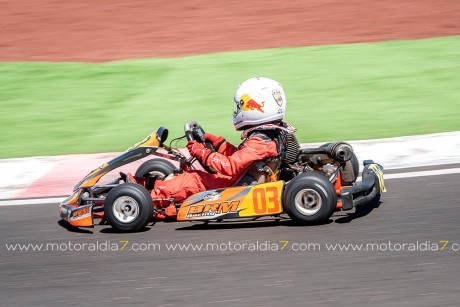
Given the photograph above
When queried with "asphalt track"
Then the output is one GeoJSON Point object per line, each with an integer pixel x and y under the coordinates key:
{"type": "Point", "coordinates": [423, 209]}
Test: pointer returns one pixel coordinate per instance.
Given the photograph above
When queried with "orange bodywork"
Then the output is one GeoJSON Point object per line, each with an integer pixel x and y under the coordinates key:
{"type": "Point", "coordinates": [92, 178]}
{"type": "Point", "coordinates": [338, 189]}
{"type": "Point", "coordinates": [235, 202]}
{"type": "Point", "coordinates": [81, 216]}
{"type": "Point", "coordinates": [82, 222]}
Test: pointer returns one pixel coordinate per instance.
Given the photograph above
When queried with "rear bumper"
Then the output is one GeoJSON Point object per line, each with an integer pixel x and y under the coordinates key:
{"type": "Point", "coordinates": [371, 186]}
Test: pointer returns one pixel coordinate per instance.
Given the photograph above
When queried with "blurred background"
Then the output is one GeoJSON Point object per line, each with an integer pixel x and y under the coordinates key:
{"type": "Point", "coordinates": [98, 76]}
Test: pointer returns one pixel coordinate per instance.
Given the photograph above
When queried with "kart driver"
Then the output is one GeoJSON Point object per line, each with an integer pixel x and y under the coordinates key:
{"type": "Point", "coordinates": [260, 105]}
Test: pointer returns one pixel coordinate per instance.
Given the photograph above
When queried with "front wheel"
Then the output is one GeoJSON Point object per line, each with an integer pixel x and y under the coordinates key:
{"type": "Point", "coordinates": [158, 168]}
{"type": "Point", "coordinates": [128, 207]}
{"type": "Point", "coordinates": [310, 198]}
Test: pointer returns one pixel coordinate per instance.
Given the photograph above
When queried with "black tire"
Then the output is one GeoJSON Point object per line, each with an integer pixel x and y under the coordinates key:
{"type": "Point", "coordinates": [159, 167]}
{"type": "Point", "coordinates": [139, 202]}
{"type": "Point", "coordinates": [310, 198]}
{"type": "Point", "coordinates": [350, 172]}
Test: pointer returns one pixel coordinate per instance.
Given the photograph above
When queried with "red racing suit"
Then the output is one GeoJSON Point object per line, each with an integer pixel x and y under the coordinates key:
{"type": "Point", "coordinates": [229, 162]}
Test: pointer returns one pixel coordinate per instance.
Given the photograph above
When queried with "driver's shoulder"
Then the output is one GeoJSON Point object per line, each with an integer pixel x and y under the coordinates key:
{"type": "Point", "coordinates": [260, 142]}
{"type": "Point", "coordinates": [261, 136]}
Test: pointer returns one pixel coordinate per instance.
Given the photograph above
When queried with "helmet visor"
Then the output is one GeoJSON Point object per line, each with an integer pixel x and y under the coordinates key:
{"type": "Point", "coordinates": [237, 107]}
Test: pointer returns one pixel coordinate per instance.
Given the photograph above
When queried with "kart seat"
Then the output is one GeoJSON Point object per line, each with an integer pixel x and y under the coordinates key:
{"type": "Point", "coordinates": [265, 170]}
{"type": "Point", "coordinates": [258, 172]}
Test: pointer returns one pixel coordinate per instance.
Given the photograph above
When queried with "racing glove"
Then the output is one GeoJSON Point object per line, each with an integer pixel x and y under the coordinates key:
{"type": "Point", "coordinates": [198, 151]}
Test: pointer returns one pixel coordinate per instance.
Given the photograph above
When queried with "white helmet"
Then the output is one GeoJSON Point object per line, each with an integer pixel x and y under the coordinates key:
{"type": "Point", "coordinates": [258, 101]}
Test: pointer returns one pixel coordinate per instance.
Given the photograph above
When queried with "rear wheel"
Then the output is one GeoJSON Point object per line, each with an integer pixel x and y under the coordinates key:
{"type": "Point", "coordinates": [128, 207]}
{"type": "Point", "coordinates": [310, 198]}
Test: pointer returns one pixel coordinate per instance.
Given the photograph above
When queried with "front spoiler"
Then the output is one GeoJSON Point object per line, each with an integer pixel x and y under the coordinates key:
{"type": "Point", "coordinates": [77, 216]}
{"type": "Point", "coordinates": [372, 185]}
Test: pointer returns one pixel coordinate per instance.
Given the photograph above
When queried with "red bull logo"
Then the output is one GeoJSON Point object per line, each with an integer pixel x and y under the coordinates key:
{"type": "Point", "coordinates": [251, 104]}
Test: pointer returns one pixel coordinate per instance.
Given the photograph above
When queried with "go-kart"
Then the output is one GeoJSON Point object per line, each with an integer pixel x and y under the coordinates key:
{"type": "Point", "coordinates": [308, 185]}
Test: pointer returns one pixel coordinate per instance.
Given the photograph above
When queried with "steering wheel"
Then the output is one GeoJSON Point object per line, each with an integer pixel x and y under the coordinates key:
{"type": "Point", "coordinates": [194, 132]}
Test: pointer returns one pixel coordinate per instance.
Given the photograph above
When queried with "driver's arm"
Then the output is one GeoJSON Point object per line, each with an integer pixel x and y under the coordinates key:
{"type": "Point", "coordinates": [220, 144]}
{"type": "Point", "coordinates": [253, 150]}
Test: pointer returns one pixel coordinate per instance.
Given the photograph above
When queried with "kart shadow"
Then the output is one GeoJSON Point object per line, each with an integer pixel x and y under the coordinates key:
{"type": "Point", "coordinates": [232, 225]}
{"type": "Point", "coordinates": [112, 230]}
{"type": "Point", "coordinates": [246, 224]}
{"type": "Point", "coordinates": [106, 229]}
{"type": "Point", "coordinates": [70, 228]}
{"type": "Point", "coordinates": [360, 211]}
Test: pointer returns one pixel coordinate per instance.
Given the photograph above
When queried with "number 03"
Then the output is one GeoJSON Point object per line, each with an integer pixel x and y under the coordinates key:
{"type": "Point", "coordinates": [266, 200]}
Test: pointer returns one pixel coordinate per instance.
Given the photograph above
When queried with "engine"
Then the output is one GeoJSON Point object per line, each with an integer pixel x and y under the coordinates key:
{"type": "Point", "coordinates": [342, 152]}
